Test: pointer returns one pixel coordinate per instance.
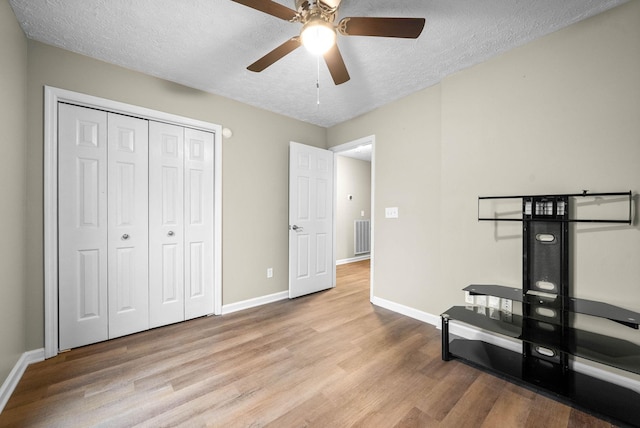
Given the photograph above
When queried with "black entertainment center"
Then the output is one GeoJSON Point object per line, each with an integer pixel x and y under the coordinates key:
{"type": "Point", "coordinates": [545, 328]}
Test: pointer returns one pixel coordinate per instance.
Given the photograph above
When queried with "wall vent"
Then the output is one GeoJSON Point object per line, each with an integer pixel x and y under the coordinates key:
{"type": "Point", "coordinates": [362, 237]}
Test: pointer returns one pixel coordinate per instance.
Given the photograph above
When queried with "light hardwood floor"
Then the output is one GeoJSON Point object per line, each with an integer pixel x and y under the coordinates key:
{"type": "Point", "coordinates": [326, 360]}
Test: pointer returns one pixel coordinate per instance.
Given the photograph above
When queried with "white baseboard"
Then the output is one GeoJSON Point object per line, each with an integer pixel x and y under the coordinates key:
{"type": "Point", "coordinates": [589, 368]}
{"type": "Point", "coordinates": [406, 310]}
{"type": "Point", "coordinates": [252, 303]}
{"type": "Point", "coordinates": [353, 260]}
{"type": "Point", "coordinates": [16, 373]}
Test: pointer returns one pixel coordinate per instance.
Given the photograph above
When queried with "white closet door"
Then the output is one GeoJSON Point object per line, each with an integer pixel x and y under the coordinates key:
{"type": "Point", "coordinates": [128, 243]}
{"type": "Point", "coordinates": [166, 224]}
{"type": "Point", "coordinates": [82, 223]}
{"type": "Point", "coordinates": [198, 226]}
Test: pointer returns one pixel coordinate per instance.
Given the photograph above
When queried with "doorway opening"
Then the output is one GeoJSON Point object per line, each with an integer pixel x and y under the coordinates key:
{"type": "Point", "coordinates": [354, 203]}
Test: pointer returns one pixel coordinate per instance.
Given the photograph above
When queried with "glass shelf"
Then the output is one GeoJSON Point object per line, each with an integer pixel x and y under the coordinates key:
{"type": "Point", "coordinates": [605, 310]}
{"type": "Point", "coordinates": [603, 349]}
{"type": "Point", "coordinates": [501, 291]}
{"type": "Point", "coordinates": [576, 389]}
{"type": "Point", "coordinates": [580, 306]}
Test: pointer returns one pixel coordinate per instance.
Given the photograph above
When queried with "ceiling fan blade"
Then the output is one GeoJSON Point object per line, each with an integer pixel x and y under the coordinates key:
{"type": "Point", "coordinates": [270, 7]}
{"type": "Point", "coordinates": [276, 54]}
{"type": "Point", "coordinates": [336, 65]}
{"type": "Point", "coordinates": [406, 28]}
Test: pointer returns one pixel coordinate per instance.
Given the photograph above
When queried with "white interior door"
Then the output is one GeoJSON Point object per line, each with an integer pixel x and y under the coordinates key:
{"type": "Point", "coordinates": [128, 246]}
{"type": "Point", "coordinates": [311, 260]}
{"type": "Point", "coordinates": [82, 222]}
{"type": "Point", "coordinates": [166, 224]}
{"type": "Point", "coordinates": [198, 223]}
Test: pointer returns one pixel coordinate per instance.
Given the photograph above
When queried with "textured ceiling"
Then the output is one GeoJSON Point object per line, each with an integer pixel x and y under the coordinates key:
{"type": "Point", "coordinates": [207, 44]}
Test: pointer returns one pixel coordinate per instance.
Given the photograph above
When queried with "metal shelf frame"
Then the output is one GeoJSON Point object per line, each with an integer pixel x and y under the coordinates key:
{"type": "Point", "coordinates": [628, 220]}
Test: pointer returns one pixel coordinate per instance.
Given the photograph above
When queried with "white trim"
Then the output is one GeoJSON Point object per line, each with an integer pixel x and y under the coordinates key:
{"type": "Point", "coordinates": [52, 96]}
{"type": "Point", "coordinates": [353, 260]}
{"type": "Point", "coordinates": [334, 220]}
{"type": "Point", "coordinates": [217, 226]}
{"type": "Point", "coordinates": [50, 223]}
{"type": "Point", "coordinates": [353, 144]}
{"type": "Point", "coordinates": [10, 383]}
{"type": "Point", "coordinates": [406, 311]}
{"type": "Point", "coordinates": [77, 98]}
{"type": "Point", "coordinates": [371, 139]}
{"type": "Point", "coordinates": [256, 301]}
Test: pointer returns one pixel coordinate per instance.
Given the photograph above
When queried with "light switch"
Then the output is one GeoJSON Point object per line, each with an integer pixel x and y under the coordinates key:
{"type": "Point", "coordinates": [391, 212]}
{"type": "Point", "coordinates": [362, 213]}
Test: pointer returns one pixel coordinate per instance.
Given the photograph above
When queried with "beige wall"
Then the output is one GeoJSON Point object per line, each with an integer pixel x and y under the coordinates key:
{"type": "Point", "coordinates": [557, 115]}
{"type": "Point", "coordinates": [353, 178]}
{"type": "Point", "coordinates": [255, 165]}
{"type": "Point", "coordinates": [407, 176]}
{"type": "Point", "coordinates": [13, 86]}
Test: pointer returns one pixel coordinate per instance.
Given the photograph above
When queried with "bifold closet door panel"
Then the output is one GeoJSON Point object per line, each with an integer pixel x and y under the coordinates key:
{"type": "Point", "coordinates": [82, 223]}
{"type": "Point", "coordinates": [166, 223]}
{"type": "Point", "coordinates": [128, 215]}
{"type": "Point", "coordinates": [198, 223]}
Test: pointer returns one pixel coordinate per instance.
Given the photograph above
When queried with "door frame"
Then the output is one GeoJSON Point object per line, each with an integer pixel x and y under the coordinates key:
{"type": "Point", "coordinates": [371, 139]}
{"type": "Point", "coordinates": [52, 96]}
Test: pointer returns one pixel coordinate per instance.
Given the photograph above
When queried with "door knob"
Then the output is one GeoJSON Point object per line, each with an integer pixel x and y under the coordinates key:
{"type": "Point", "coordinates": [170, 233]}
{"type": "Point", "coordinates": [297, 228]}
{"type": "Point", "coordinates": [125, 237]}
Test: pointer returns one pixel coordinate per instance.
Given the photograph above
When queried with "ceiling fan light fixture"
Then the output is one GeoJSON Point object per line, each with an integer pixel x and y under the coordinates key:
{"type": "Point", "coordinates": [319, 33]}
{"type": "Point", "coordinates": [318, 36]}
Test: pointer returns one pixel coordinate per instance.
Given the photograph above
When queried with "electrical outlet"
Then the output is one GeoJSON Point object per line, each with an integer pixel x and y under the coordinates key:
{"type": "Point", "coordinates": [269, 272]}
{"type": "Point", "coordinates": [494, 302]}
{"type": "Point", "coordinates": [468, 298]}
{"type": "Point", "coordinates": [506, 305]}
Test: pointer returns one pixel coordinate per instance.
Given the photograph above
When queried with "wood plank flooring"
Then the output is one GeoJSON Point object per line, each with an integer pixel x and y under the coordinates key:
{"type": "Point", "coordinates": [326, 360]}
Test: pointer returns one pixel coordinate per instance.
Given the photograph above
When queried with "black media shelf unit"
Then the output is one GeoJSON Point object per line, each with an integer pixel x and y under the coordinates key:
{"type": "Point", "coordinates": [548, 339]}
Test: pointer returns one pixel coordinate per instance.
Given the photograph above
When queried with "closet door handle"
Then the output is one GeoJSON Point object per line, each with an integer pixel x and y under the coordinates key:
{"type": "Point", "coordinates": [125, 237]}
{"type": "Point", "coordinates": [170, 233]}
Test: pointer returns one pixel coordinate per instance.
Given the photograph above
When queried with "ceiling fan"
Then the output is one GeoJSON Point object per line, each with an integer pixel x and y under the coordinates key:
{"type": "Point", "coordinates": [319, 33]}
